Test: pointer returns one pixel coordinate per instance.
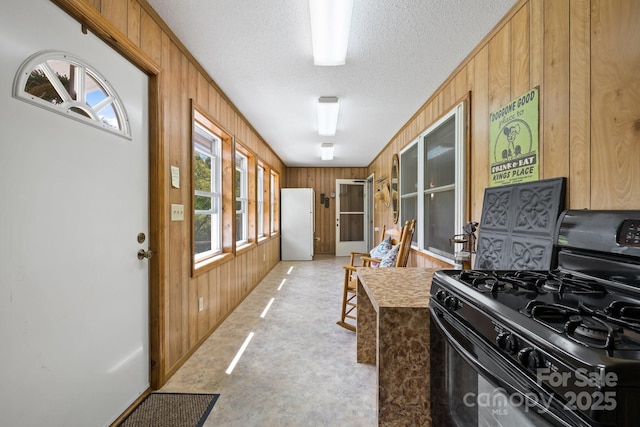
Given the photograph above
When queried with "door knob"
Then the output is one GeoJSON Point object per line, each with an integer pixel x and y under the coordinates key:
{"type": "Point", "coordinates": [142, 254]}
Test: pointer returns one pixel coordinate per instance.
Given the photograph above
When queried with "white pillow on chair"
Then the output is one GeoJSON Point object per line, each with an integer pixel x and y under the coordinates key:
{"type": "Point", "coordinates": [390, 258]}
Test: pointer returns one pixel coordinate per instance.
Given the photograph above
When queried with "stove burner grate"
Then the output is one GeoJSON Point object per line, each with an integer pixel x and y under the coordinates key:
{"type": "Point", "coordinates": [494, 283]}
{"type": "Point", "coordinates": [559, 282]}
{"type": "Point", "coordinates": [551, 315]}
{"type": "Point", "coordinates": [588, 326]}
{"type": "Point", "coordinates": [527, 281]}
{"type": "Point", "coordinates": [625, 311]}
{"type": "Point", "coordinates": [593, 332]}
{"type": "Point", "coordinates": [574, 285]}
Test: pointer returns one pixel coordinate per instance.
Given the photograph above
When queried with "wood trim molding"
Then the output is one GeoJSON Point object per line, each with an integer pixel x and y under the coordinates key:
{"type": "Point", "coordinates": [94, 21]}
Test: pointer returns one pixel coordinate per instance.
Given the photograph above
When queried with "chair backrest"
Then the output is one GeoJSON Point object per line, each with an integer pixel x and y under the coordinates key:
{"type": "Point", "coordinates": [383, 233]}
{"type": "Point", "coordinates": [402, 238]}
{"type": "Point", "coordinates": [395, 234]}
{"type": "Point", "coordinates": [405, 243]}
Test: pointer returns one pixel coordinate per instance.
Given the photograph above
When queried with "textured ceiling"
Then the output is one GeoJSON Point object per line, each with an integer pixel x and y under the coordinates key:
{"type": "Point", "coordinates": [259, 53]}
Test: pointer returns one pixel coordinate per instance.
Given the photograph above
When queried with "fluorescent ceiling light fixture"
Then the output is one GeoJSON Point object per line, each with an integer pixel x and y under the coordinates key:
{"type": "Point", "coordinates": [328, 108]}
{"type": "Point", "coordinates": [330, 25]}
{"type": "Point", "coordinates": [326, 151]}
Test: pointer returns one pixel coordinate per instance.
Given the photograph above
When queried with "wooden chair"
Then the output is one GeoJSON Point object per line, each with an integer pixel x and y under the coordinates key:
{"type": "Point", "coordinates": [349, 294]}
{"type": "Point", "coordinates": [399, 237]}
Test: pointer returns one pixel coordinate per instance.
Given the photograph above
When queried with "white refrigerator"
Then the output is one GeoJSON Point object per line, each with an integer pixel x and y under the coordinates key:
{"type": "Point", "coordinates": [297, 223]}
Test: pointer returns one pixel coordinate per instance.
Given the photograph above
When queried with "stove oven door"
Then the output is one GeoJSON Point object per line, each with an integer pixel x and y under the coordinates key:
{"type": "Point", "coordinates": [473, 385]}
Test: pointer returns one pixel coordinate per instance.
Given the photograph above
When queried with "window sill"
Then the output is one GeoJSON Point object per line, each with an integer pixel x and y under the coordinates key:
{"type": "Point", "coordinates": [210, 263]}
{"type": "Point", "coordinates": [433, 256]}
{"type": "Point", "coordinates": [246, 247]}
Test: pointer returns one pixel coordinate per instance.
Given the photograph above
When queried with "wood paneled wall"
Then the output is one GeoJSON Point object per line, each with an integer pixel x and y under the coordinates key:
{"type": "Point", "coordinates": [585, 56]}
{"type": "Point", "coordinates": [322, 180]}
{"type": "Point", "coordinates": [177, 327]}
{"type": "Point", "coordinates": [615, 105]}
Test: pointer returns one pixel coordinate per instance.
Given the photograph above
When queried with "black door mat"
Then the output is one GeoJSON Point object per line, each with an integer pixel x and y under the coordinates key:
{"type": "Point", "coordinates": [171, 410]}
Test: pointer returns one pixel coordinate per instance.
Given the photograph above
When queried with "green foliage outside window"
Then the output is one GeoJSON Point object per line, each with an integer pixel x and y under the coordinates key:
{"type": "Point", "coordinates": [39, 85]}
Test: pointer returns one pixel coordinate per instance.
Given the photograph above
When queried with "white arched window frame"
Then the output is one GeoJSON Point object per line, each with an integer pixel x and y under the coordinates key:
{"type": "Point", "coordinates": [66, 85]}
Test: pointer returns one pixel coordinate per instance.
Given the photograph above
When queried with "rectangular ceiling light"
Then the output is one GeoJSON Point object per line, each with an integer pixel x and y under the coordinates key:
{"type": "Point", "coordinates": [326, 151]}
{"type": "Point", "coordinates": [330, 25]}
{"type": "Point", "coordinates": [328, 107]}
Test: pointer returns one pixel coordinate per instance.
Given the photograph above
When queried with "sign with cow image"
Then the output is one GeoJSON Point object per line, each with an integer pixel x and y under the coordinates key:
{"type": "Point", "coordinates": [513, 136]}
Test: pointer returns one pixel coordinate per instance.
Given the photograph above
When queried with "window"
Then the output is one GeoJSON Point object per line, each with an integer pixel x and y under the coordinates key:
{"type": "Point", "coordinates": [432, 184]}
{"type": "Point", "coordinates": [242, 198]}
{"type": "Point", "coordinates": [260, 200]}
{"type": "Point", "coordinates": [409, 186]}
{"type": "Point", "coordinates": [271, 201]}
{"type": "Point", "coordinates": [207, 202]}
{"type": "Point", "coordinates": [212, 183]}
{"type": "Point", "coordinates": [66, 85]}
{"type": "Point", "coordinates": [274, 201]}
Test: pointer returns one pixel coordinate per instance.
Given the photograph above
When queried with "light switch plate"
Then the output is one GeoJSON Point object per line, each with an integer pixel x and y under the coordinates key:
{"type": "Point", "coordinates": [177, 212]}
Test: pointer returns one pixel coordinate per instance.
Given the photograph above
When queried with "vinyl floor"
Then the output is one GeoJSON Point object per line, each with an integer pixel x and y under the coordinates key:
{"type": "Point", "coordinates": [298, 369]}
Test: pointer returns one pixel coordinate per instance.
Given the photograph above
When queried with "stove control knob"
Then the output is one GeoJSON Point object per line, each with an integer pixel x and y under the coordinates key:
{"type": "Point", "coordinates": [531, 358]}
{"type": "Point", "coordinates": [508, 342]}
{"type": "Point", "coordinates": [513, 344]}
{"type": "Point", "coordinates": [441, 295]}
{"type": "Point", "coordinates": [501, 340]}
{"type": "Point", "coordinates": [452, 303]}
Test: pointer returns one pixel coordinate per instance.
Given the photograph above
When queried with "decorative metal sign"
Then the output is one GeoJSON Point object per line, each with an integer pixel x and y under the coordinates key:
{"type": "Point", "coordinates": [513, 136]}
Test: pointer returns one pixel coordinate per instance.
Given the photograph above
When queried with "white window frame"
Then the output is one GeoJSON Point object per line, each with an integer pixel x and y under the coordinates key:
{"type": "Point", "coordinates": [260, 200]}
{"type": "Point", "coordinates": [242, 198]}
{"type": "Point", "coordinates": [460, 186]}
{"type": "Point", "coordinates": [215, 194]}
{"type": "Point", "coordinates": [272, 201]}
{"type": "Point", "coordinates": [78, 106]}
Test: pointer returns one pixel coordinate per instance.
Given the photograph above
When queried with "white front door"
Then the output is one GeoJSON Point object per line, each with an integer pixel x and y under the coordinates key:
{"type": "Point", "coordinates": [74, 299]}
{"type": "Point", "coordinates": [351, 216]}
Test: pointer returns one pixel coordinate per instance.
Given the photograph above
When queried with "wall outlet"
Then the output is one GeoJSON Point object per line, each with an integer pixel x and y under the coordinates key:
{"type": "Point", "coordinates": [200, 303]}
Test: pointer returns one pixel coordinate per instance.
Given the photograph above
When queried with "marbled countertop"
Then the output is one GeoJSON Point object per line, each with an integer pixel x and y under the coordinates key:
{"type": "Point", "coordinates": [406, 287]}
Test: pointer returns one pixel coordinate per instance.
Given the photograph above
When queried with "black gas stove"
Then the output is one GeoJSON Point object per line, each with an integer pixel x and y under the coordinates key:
{"type": "Point", "coordinates": [562, 344]}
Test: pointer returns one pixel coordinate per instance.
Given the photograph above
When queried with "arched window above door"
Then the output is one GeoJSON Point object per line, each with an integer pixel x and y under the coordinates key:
{"type": "Point", "coordinates": [66, 85]}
